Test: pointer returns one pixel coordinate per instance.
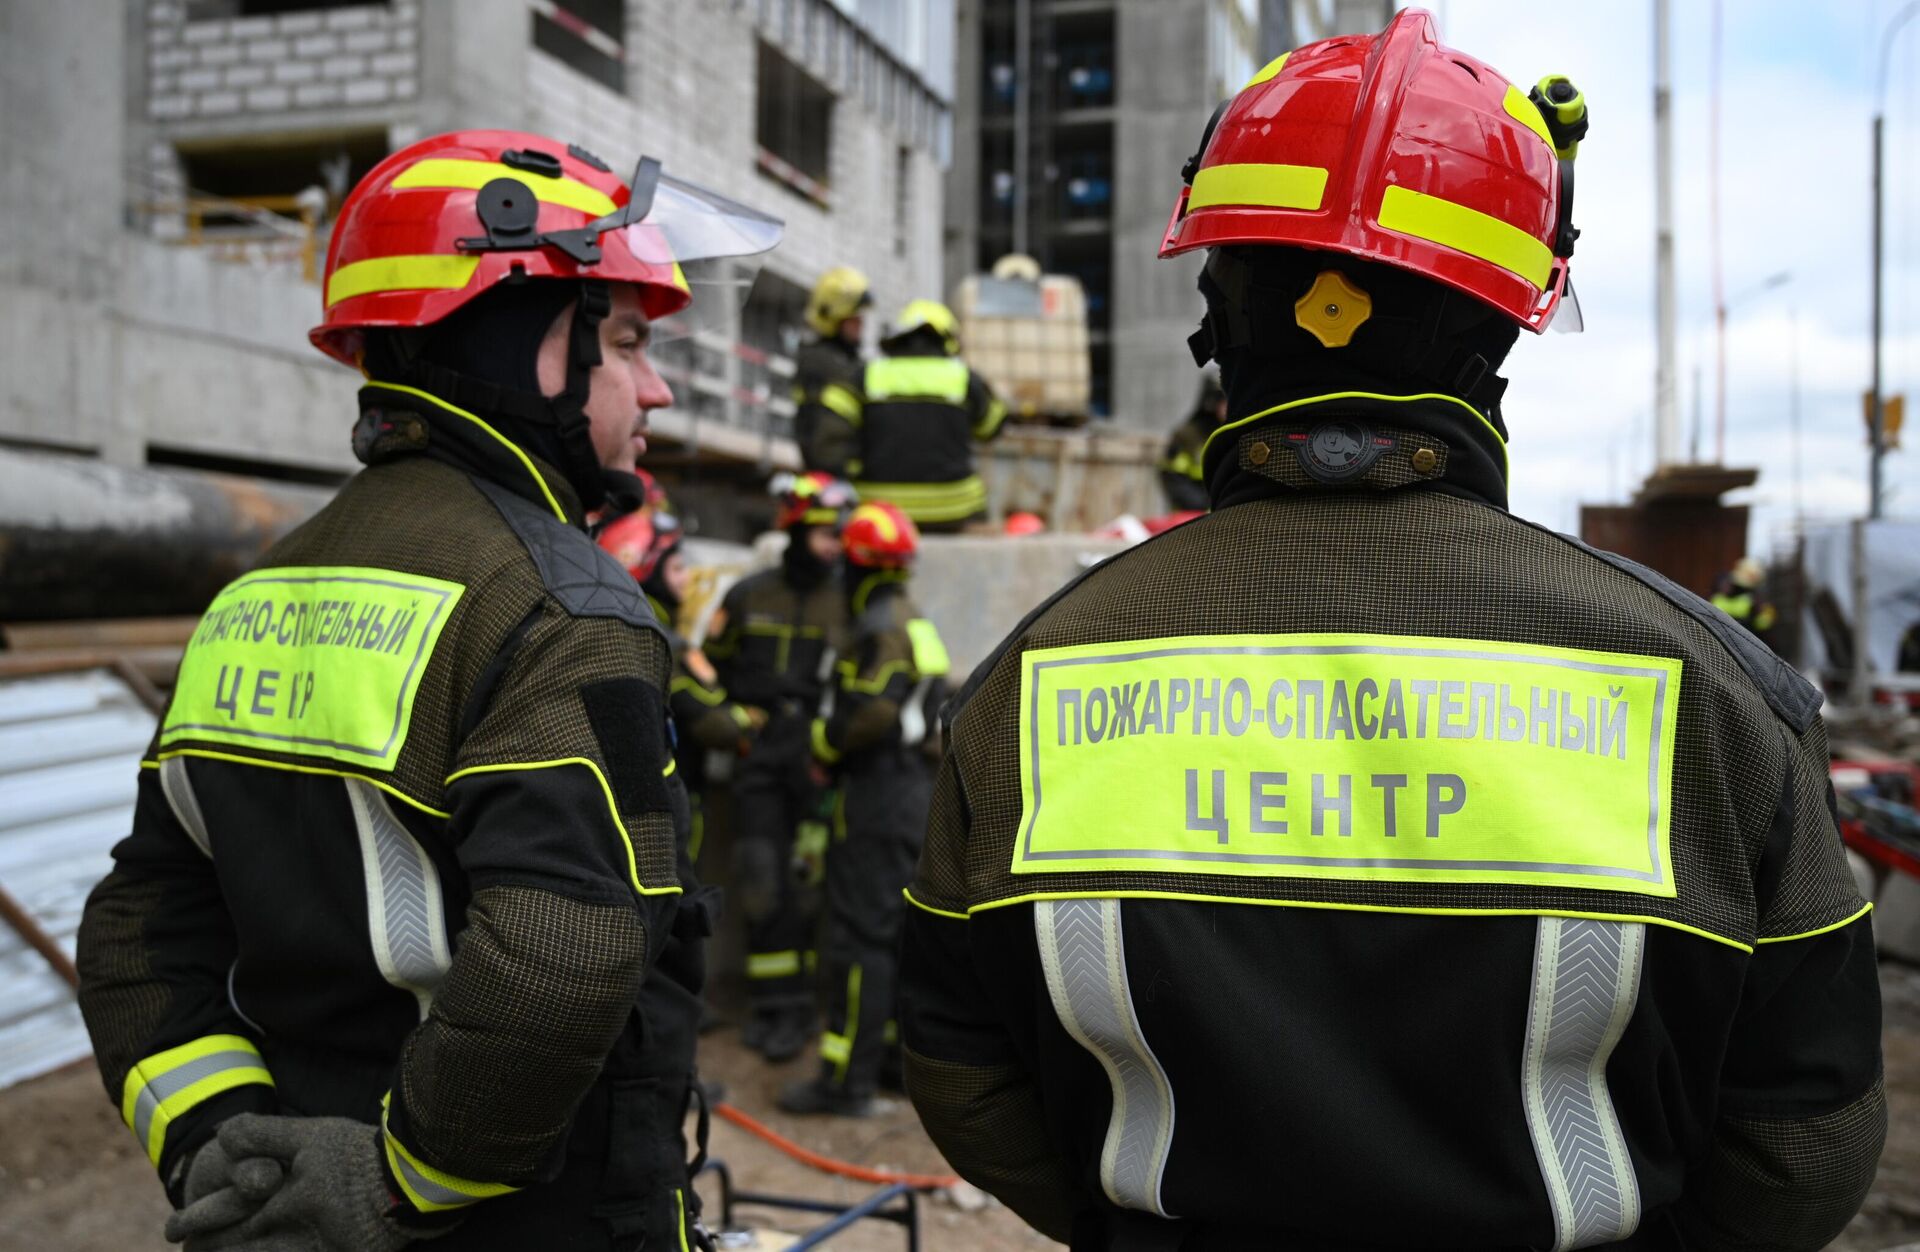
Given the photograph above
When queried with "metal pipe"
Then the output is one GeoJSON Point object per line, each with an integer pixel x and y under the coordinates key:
{"type": "Point", "coordinates": [869, 1207]}
{"type": "Point", "coordinates": [35, 936]}
{"type": "Point", "coordinates": [1022, 122]}
{"type": "Point", "coordinates": [87, 539]}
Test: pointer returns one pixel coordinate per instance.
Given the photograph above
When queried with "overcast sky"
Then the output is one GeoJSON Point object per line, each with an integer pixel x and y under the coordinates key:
{"type": "Point", "coordinates": [1795, 162]}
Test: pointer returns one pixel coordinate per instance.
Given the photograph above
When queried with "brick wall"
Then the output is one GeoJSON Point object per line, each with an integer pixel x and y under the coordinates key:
{"type": "Point", "coordinates": [289, 63]}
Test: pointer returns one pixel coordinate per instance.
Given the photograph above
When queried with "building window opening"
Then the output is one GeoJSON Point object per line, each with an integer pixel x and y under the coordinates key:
{"type": "Point", "coordinates": [902, 198]}
{"type": "Point", "coordinates": [585, 35]}
{"type": "Point", "coordinates": [214, 10]}
{"type": "Point", "coordinates": [794, 125]}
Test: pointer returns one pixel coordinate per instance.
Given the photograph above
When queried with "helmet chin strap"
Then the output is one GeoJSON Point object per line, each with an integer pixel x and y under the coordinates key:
{"type": "Point", "coordinates": [565, 414]}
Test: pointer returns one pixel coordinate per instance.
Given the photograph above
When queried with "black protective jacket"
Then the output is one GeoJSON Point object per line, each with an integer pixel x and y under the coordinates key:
{"type": "Point", "coordinates": [1364, 866]}
{"type": "Point", "coordinates": [405, 851]}
{"type": "Point", "coordinates": [826, 404]}
{"type": "Point", "coordinates": [919, 419]}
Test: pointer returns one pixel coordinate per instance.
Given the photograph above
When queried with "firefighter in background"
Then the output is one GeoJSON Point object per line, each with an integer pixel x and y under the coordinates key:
{"type": "Point", "coordinates": [1180, 475]}
{"type": "Point", "coordinates": [647, 542]}
{"type": "Point", "coordinates": [877, 733]}
{"type": "Point", "coordinates": [1737, 594]}
{"type": "Point", "coordinates": [826, 378]}
{"type": "Point", "coordinates": [399, 945]}
{"type": "Point", "coordinates": [774, 640]}
{"type": "Point", "coordinates": [1362, 812]}
{"type": "Point", "coordinates": [921, 411]}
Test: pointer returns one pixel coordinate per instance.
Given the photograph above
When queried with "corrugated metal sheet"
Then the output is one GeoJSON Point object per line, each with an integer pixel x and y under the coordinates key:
{"type": "Point", "coordinates": [70, 748]}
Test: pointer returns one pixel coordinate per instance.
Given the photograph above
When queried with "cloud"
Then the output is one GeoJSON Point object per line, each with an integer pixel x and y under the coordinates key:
{"type": "Point", "coordinates": [1795, 166]}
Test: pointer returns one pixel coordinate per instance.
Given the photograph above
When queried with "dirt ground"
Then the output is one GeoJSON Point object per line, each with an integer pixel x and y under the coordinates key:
{"type": "Point", "coordinates": [72, 1181]}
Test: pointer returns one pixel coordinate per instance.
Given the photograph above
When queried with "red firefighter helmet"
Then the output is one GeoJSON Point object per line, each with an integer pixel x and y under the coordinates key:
{"type": "Point", "coordinates": [880, 536]}
{"type": "Point", "coordinates": [640, 540]}
{"type": "Point", "coordinates": [444, 220]}
{"type": "Point", "coordinates": [1396, 149]}
{"type": "Point", "coordinates": [815, 498]}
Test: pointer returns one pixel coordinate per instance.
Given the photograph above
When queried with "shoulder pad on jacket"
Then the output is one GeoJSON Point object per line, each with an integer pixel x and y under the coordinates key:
{"type": "Point", "coordinates": [1795, 700]}
{"type": "Point", "coordinates": [583, 578]}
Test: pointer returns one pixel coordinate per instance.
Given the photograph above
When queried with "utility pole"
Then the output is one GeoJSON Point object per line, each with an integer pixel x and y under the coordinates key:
{"type": "Point", "coordinates": [1666, 399]}
{"type": "Point", "coordinates": [1877, 435]}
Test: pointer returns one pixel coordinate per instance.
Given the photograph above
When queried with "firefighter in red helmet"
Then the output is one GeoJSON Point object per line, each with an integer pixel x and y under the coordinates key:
{"type": "Point", "coordinates": [648, 543]}
{"type": "Point", "coordinates": [876, 734]}
{"type": "Point", "coordinates": [1479, 886]}
{"type": "Point", "coordinates": [399, 947]}
{"type": "Point", "coordinates": [774, 639]}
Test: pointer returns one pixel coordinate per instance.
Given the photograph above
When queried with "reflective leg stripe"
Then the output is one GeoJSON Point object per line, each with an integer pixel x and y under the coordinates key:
{"type": "Point", "coordinates": [428, 1189]}
{"type": "Point", "coordinates": [1586, 979]}
{"type": "Point", "coordinates": [168, 1084]}
{"type": "Point", "coordinates": [773, 964]}
{"type": "Point", "coordinates": [178, 789]}
{"type": "Point", "coordinates": [837, 1050]}
{"type": "Point", "coordinates": [406, 913]}
{"type": "Point", "coordinates": [1085, 964]}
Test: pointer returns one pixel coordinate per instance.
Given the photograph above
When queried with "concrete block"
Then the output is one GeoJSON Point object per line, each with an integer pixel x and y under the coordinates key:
{"type": "Point", "coordinates": [221, 53]}
{"type": "Point", "coordinates": [165, 11]}
{"type": "Point", "coordinates": [250, 27]}
{"type": "Point", "coordinates": [162, 59]}
{"type": "Point", "coordinates": [203, 32]}
{"type": "Point", "coordinates": [405, 88]}
{"type": "Point", "coordinates": [162, 84]}
{"type": "Point", "coordinates": [303, 23]}
{"type": "Point", "coordinates": [200, 79]}
{"type": "Point", "coordinates": [368, 90]}
{"type": "Point", "coordinates": [393, 63]}
{"type": "Point", "coordinates": [350, 19]}
{"type": "Point", "coordinates": [370, 40]}
{"type": "Point", "coordinates": [245, 76]}
{"type": "Point", "coordinates": [295, 72]}
{"type": "Point", "coordinates": [404, 11]}
{"type": "Point", "coordinates": [268, 50]}
{"type": "Point", "coordinates": [404, 36]}
{"type": "Point", "coordinates": [316, 45]}
{"type": "Point", "coordinates": [169, 107]}
{"type": "Point", "coordinates": [213, 102]}
{"type": "Point", "coordinates": [317, 95]}
{"type": "Point", "coordinates": [344, 67]}
{"type": "Point", "coordinates": [161, 35]}
{"type": "Point", "coordinates": [269, 99]}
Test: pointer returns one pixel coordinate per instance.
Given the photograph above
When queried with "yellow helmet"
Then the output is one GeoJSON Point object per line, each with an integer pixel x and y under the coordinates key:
{"type": "Point", "coordinates": [927, 315]}
{"type": "Point", "coordinates": [840, 293]}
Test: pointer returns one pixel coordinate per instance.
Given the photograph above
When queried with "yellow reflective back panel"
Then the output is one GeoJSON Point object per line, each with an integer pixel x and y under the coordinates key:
{"type": "Point", "coordinates": [1369, 757]}
{"type": "Point", "coordinates": [313, 661]}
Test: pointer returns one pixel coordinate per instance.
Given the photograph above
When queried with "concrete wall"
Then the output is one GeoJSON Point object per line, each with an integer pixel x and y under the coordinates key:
{"type": "Point", "coordinates": [367, 54]}
{"type": "Point", "coordinates": [1163, 102]}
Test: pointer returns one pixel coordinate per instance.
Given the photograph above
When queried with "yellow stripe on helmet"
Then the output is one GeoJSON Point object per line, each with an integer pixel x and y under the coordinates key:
{"type": "Point", "coordinates": [449, 173]}
{"type": "Point", "coordinates": [1266, 186]}
{"type": "Point", "coordinates": [1467, 230]}
{"type": "Point", "coordinates": [1270, 70]}
{"type": "Point", "coordinates": [399, 273]}
{"type": "Point", "coordinates": [1527, 113]}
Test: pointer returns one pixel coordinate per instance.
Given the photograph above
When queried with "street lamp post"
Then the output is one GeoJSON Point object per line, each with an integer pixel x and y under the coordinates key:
{"type": "Point", "coordinates": [1877, 418]}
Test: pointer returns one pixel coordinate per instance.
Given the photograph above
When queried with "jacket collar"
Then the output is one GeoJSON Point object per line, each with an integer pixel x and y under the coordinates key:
{"type": "Point", "coordinates": [397, 420]}
{"type": "Point", "coordinates": [1358, 441]}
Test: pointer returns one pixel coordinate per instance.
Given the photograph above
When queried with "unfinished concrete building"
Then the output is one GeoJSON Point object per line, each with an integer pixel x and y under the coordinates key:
{"type": "Point", "coordinates": [1074, 118]}
{"type": "Point", "coordinates": [172, 168]}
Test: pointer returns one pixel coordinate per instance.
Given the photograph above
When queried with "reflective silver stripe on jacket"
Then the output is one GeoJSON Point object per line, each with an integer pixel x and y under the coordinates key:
{"type": "Point", "coordinates": [178, 789]}
{"type": "Point", "coordinates": [406, 917]}
{"type": "Point", "coordinates": [1586, 979]}
{"type": "Point", "coordinates": [913, 714]}
{"type": "Point", "coordinates": [1086, 970]}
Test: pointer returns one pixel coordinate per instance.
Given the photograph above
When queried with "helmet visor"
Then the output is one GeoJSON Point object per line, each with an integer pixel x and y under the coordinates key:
{"type": "Point", "coordinates": [716, 244]}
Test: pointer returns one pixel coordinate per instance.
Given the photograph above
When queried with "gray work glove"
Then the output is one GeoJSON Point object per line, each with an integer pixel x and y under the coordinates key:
{"type": "Point", "coordinates": [334, 1196]}
{"type": "Point", "coordinates": [242, 1186]}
